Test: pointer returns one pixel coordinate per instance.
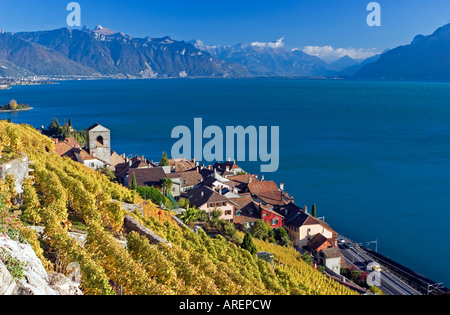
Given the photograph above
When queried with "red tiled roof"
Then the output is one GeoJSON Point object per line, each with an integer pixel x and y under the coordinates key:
{"type": "Point", "coordinates": [116, 159]}
{"type": "Point", "coordinates": [72, 142]}
{"type": "Point", "coordinates": [181, 165]}
{"type": "Point", "coordinates": [191, 178]}
{"type": "Point", "coordinates": [244, 179]}
{"type": "Point", "coordinates": [62, 148]}
{"type": "Point", "coordinates": [79, 155]}
{"type": "Point", "coordinates": [146, 176]}
{"type": "Point", "coordinates": [267, 191]}
{"type": "Point", "coordinates": [319, 241]}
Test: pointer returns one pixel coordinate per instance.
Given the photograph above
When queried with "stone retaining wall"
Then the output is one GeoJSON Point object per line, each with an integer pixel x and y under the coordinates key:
{"type": "Point", "coordinates": [130, 224]}
{"type": "Point", "coordinates": [17, 168]}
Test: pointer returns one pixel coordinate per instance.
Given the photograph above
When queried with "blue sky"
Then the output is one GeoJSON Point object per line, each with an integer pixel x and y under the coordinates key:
{"type": "Point", "coordinates": [336, 23]}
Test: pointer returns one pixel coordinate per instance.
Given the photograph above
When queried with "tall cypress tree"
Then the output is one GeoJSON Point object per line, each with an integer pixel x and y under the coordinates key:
{"type": "Point", "coordinates": [248, 244]}
{"type": "Point", "coordinates": [134, 182]}
{"type": "Point", "coordinates": [314, 211]}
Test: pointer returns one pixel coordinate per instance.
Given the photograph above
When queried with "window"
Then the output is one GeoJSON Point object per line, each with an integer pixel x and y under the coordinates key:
{"type": "Point", "coordinates": [100, 141]}
{"type": "Point", "coordinates": [224, 204]}
{"type": "Point", "coordinates": [218, 204]}
{"type": "Point", "coordinates": [275, 222]}
{"type": "Point", "coordinates": [211, 205]}
{"type": "Point", "coordinates": [238, 213]}
{"type": "Point", "coordinates": [228, 212]}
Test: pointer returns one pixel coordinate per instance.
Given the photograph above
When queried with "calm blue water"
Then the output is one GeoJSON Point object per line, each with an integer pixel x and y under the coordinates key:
{"type": "Point", "coordinates": [373, 156]}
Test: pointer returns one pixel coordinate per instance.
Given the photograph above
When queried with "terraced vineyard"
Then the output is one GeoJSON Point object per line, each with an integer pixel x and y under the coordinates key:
{"type": "Point", "coordinates": [194, 264]}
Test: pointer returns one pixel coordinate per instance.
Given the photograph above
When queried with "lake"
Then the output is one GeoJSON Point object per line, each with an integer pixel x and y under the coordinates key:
{"type": "Point", "coordinates": [373, 156]}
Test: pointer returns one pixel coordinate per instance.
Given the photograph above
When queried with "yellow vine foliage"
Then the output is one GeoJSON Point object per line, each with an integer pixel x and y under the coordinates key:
{"type": "Point", "coordinates": [192, 264]}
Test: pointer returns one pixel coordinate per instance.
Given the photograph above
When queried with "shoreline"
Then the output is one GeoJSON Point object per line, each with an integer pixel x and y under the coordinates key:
{"type": "Point", "coordinates": [16, 110]}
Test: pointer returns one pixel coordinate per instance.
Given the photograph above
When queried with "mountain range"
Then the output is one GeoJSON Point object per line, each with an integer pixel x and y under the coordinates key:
{"type": "Point", "coordinates": [426, 58]}
{"type": "Point", "coordinates": [104, 53]}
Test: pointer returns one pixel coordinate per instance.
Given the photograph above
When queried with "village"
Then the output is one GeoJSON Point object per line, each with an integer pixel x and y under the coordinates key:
{"type": "Point", "coordinates": [223, 190]}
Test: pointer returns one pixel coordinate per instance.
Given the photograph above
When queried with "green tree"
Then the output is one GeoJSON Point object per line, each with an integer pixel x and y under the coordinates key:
{"type": "Point", "coordinates": [260, 230]}
{"type": "Point", "coordinates": [314, 211]}
{"type": "Point", "coordinates": [153, 194]}
{"type": "Point", "coordinates": [134, 185]}
{"type": "Point", "coordinates": [203, 215]}
{"type": "Point", "coordinates": [108, 173]}
{"type": "Point", "coordinates": [282, 237]}
{"type": "Point", "coordinates": [307, 258]}
{"type": "Point", "coordinates": [164, 160]}
{"type": "Point", "coordinates": [54, 126]}
{"type": "Point", "coordinates": [13, 104]}
{"type": "Point", "coordinates": [166, 185]}
{"type": "Point", "coordinates": [215, 215]}
{"type": "Point", "coordinates": [66, 132]}
{"type": "Point", "coordinates": [183, 203]}
{"type": "Point", "coordinates": [190, 216]}
{"type": "Point", "coordinates": [248, 244]}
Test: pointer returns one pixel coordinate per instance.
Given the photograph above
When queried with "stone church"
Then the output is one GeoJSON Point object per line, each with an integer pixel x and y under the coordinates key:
{"type": "Point", "coordinates": [99, 143]}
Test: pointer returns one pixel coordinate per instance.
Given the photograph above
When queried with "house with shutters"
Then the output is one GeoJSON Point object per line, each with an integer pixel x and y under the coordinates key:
{"type": "Point", "coordinates": [248, 211]}
{"type": "Point", "coordinates": [303, 228]}
{"type": "Point", "coordinates": [207, 199]}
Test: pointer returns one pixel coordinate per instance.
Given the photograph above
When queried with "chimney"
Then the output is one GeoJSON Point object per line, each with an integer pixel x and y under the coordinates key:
{"type": "Point", "coordinates": [203, 194]}
{"type": "Point", "coordinates": [130, 162]}
{"type": "Point", "coordinates": [282, 187]}
{"type": "Point", "coordinates": [262, 178]}
{"type": "Point", "coordinates": [229, 159]}
{"type": "Point", "coordinates": [250, 180]}
{"type": "Point", "coordinates": [306, 209]}
{"type": "Point", "coordinates": [209, 167]}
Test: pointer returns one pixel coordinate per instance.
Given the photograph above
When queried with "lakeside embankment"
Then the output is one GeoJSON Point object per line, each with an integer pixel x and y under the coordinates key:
{"type": "Point", "coordinates": [396, 279]}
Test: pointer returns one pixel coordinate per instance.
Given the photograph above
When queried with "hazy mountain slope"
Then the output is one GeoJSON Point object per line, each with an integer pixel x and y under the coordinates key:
{"type": "Point", "coordinates": [427, 57]}
{"type": "Point", "coordinates": [268, 60]}
{"type": "Point", "coordinates": [23, 57]}
{"type": "Point", "coordinates": [344, 63]}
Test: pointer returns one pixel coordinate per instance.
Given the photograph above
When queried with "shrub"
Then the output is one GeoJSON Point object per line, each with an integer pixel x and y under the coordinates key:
{"type": "Point", "coordinates": [14, 266]}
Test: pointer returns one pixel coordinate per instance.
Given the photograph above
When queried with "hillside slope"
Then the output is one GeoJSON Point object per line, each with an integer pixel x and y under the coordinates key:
{"type": "Point", "coordinates": [426, 58]}
{"type": "Point", "coordinates": [62, 192]}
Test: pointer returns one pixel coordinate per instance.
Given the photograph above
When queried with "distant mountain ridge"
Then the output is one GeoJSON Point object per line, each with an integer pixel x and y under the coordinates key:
{"type": "Point", "coordinates": [103, 52]}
